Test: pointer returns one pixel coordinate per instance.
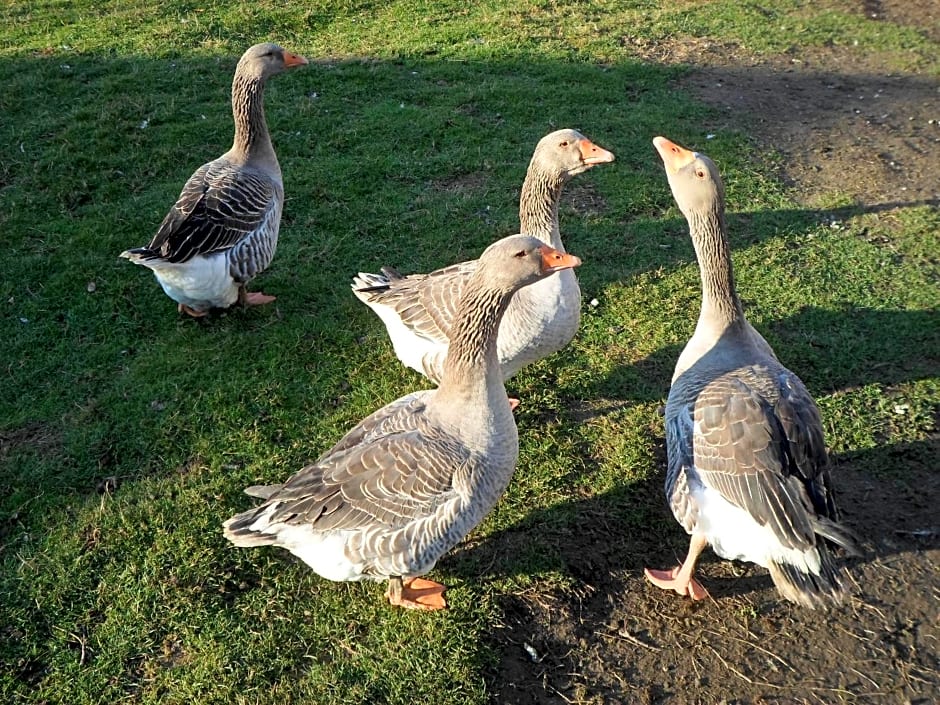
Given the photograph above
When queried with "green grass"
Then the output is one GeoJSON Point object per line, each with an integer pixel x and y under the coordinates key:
{"type": "Point", "coordinates": [403, 143]}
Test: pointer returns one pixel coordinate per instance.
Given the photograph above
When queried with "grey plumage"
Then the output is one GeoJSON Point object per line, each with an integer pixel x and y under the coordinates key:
{"type": "Point", "coordinates": [223, 229]}
{"type": "Point", "coordinates": [419, 309]}
{"type": "Point", "coordinates": [411, 479]}
{"type": "Point", "coordinates": [222, 205]}
{"type": "Point", "coordinates": [747, 468]}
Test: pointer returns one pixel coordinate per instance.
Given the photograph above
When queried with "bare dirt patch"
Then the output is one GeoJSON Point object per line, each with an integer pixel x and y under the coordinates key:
{"type": "Point", "coordinates": [461, 183]}
{"type": "Point", "coordinates": [39, 437]}
{"type": "Point", "coordinates": [842, 127]}
{"type": "Point", "coordinates": [845, 125]}
{"type": "Point", "coordinates": [616, 639]}
{"type": "Point", "coordinates": [845, 121]}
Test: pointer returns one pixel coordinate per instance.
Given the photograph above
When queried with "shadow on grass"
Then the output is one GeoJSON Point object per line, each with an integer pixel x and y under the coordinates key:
{"type": "Point", "coordinates": [552, 641]}
{"type": "Point", "coordinates": [375, 187]}
{"type": "Point", "coordinates": [830, 350]}
{"type": "Point", "coordinates": [653, 242]}
{"type": "Point", "coordinates": [884, 494]}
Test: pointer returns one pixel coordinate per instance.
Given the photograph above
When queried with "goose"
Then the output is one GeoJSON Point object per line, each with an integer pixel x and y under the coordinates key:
{"type": "Point", "coordinates": [419, 310]}
{"type": "Point", "coordinates": [222, 230]}
{"type": "Point", "coordinates": [413, 478]}
{"type": "Point", "coordinates": [747, 469]}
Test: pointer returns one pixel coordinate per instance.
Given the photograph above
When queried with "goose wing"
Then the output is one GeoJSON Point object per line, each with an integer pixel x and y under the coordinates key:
{"type": "Point", "coordinates": [425, 303]}
{"type": "Point", "coordinates": [220, 205]}
{"type": "Point", "coordinates": [761, 449]}
{"type": "Point", "coordinates": [392, 469]}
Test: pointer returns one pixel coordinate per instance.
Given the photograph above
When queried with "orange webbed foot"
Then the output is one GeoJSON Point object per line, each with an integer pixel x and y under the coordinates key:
{"type": "Point", "coordinates": [416, 594]}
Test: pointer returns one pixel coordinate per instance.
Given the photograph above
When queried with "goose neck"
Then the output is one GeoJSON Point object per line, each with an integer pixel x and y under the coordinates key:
{"type": "Point", "coordinates": [720, 303]}
{"type": "Point", "coordinates": [251, 129]}
{"type": "Point", "coordinates": [472, 363]}
{"type": "Point", "coordinates": [538, 206]}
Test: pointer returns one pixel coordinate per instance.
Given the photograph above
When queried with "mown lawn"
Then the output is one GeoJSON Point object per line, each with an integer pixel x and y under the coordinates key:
{"type": "Point", "coordinates": [127, 433]}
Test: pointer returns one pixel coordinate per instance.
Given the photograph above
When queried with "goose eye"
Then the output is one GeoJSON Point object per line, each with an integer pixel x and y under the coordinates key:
{"type": "Point", "coordinates": [700, 173]}
{"type": "Point", "coordinates": [564, 144]}
{"type": "Point", "coordinates": [520, 254]}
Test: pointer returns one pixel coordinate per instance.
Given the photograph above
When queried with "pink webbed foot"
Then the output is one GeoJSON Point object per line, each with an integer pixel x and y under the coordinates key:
{"type": "Point", "coordinates": [183, 308]}
{"type": "Point", "coordinates": [513, 403]}
{"type": "Point", "coordinates": [670, 580]}
{"type": "Point", "coordinates": [256, 298]}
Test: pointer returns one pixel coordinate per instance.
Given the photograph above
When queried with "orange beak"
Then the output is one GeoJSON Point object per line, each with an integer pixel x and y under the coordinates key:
{"type": "Point", "coordinates": [592, 154]}
{"type": "Point", "coordinates": [291, 60]}
{"type": "Point", "coordinates": [673, 156]}
{"type": "Point", "coordinates": [555, 261]}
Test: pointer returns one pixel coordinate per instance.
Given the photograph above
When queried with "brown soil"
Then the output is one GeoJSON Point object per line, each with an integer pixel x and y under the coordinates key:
{"type": "Point", "coordinates": [845, 122]}
{"type": "Point", "coordinates": [845, 125]}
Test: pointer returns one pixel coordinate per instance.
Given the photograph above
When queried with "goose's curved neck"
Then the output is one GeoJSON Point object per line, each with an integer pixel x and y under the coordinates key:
{"type": "Point", "coordinates": [721, 306]}
{"type": "Point", "coordinates": [538, 205]}
{"type": "Point", "coordinates": [251, 129]}
{"type": "Point", "coordinates": [472, 363]}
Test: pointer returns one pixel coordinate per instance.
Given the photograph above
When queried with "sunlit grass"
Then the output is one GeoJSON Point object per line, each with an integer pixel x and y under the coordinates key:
{"type": "Point", "coordinates": [403, 143]}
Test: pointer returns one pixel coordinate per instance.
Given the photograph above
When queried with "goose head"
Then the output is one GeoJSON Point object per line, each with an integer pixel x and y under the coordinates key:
{"type": "Point", "coordinates": [267, 59]}
{"type": "Point", "coordinates": [694, 179]}
{"type": "Point", "coordinates": [518, 260]}
{"type": "Point", "coordinates": [567, 153]}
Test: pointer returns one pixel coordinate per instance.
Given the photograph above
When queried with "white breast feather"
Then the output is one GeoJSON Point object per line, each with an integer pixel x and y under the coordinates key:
{"type": "Point", "coordinates": [411, 349]}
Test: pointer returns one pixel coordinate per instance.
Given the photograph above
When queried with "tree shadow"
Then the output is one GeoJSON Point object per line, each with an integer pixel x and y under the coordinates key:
{"type": "Point", "coordinates": [120, 339]}
{"type": "Point", "coordinates": [110, 383]}
{"type": "Point", "coordinates": [610, 614]}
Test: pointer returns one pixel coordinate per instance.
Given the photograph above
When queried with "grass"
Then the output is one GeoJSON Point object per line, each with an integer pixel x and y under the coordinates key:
{"type": "Point", "coordinates": [404, 143]}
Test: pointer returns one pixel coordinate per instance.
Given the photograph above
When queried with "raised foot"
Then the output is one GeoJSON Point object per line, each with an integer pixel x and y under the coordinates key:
{"type": "Point", "coordinates": [256, 298]}
{"type": "Point", "coordinates": [669, 580]}
{"type": "Point", "coordinates": [513, 403]}
{"type": "Point", "coordinates": [416, 594]}
{"type": "Point", "coordinates": [183, 308]}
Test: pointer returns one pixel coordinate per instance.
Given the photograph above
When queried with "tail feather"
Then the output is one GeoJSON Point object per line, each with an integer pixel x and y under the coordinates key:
{"type": "Point", "coordinates": [831, 586]}
{"type": "Point", "coordinates": [391, 274]}
{"type": "Point", "coordinates": [365, 282]}
{"type": "Point", "coordinates": [140, 255]}
{"type": "Point", "coordinates": [262, 491]}
{"type": "Point", "coordinates": [238, 531]}
{"type": "Point", "coordinates": [838, 534]}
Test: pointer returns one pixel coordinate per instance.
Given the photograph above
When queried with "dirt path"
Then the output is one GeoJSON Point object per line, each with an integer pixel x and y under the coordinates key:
{"type": "Point", "coordinates": [847, 127]}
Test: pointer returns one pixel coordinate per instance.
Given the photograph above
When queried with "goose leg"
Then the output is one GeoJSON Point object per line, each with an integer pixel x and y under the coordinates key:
{"type": "Point", "coordinates": [183, 308]}
{"type": "Point", "coordinates": [680, 578]}
{"type": "Point", "coordinates": [513, 403]}
{"type": "Point", "coordinates": [415, 593]}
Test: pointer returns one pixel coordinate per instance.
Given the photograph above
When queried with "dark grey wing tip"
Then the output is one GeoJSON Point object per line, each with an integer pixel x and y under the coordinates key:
{"type": "Point", "coordinates": [139, 253]}
{"type": "Point", "coordinates": [839, 534]}
{"type": "Point", "coordinates": [829, 588]}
